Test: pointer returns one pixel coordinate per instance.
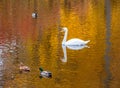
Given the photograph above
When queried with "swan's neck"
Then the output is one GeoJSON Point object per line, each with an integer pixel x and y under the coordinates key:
{"type": "Point", "coordinates": [65, 37]}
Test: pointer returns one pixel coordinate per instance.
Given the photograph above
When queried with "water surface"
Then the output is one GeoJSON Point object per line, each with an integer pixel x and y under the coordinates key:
{"type": "Point", "coordinates": [37, 43]}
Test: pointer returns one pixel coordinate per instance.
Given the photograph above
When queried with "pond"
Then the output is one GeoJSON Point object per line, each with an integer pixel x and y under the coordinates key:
{"type": "Point", "coordinates": [37, 42]}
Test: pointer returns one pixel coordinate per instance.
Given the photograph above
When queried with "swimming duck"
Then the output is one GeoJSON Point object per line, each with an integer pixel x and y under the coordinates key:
{"type": "Point", "coordinates": [45, 74]}
{"type": "Point", "coordinates": [24, 68]}
{"type": "Point", "coordinates": [34, 15]}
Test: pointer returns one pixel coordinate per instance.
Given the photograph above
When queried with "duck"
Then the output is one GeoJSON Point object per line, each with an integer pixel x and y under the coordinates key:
{"type": "Point", "coordinates": [45, 74]}
{"type": "Point", "coordinates": [73, 41]}
{"type": "Point", "coordinates": [34, 15]}
{"type": "Point", "coordinates": [24, 68]}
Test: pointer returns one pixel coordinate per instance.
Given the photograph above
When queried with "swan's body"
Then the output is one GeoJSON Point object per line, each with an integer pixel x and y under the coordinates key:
{"type": "Point", "coordinates": [76, 47]}
{"type": "Point", "coordinates": [74, 41]}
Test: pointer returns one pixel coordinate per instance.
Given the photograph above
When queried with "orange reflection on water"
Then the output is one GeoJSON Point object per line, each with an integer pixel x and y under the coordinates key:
{"type": "Point", "coordinates": [37, 42]}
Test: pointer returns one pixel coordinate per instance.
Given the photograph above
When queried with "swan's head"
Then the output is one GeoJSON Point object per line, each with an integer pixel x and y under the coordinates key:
{"type": "Point", "coordinates": [64, 29]}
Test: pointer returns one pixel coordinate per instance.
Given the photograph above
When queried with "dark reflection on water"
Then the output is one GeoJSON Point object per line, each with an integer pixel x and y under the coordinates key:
{"type": "Point", "coordinates": [37, 43]}
{"type": "Point", "coordinates": [108, 43]}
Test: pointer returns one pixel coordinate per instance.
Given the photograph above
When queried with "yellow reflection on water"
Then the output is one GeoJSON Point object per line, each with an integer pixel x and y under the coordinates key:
{"type": "Point", "coordinates": [115, 39]}
{"type": "Point", "coordinates": [39, 43]}
{"type": "Point", "coordinates": [89, 25]}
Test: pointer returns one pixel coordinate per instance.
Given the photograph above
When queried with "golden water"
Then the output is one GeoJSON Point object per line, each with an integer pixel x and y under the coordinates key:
{"type": "Point", "coordinates": [37, 43]}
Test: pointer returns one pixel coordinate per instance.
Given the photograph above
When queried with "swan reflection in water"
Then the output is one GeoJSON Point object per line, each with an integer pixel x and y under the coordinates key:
{"type": "Point", "coordinates": [72, 47]}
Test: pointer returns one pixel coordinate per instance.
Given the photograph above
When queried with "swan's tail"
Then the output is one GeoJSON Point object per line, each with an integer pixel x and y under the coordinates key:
{"type": "Point", "coordinates": [87, 41]}
{"type": "Point", "coordinates": [87, 46]}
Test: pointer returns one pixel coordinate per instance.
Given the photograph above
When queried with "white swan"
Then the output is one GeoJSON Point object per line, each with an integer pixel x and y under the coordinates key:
{"type": "Point", "coordinates": [74, 41]}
